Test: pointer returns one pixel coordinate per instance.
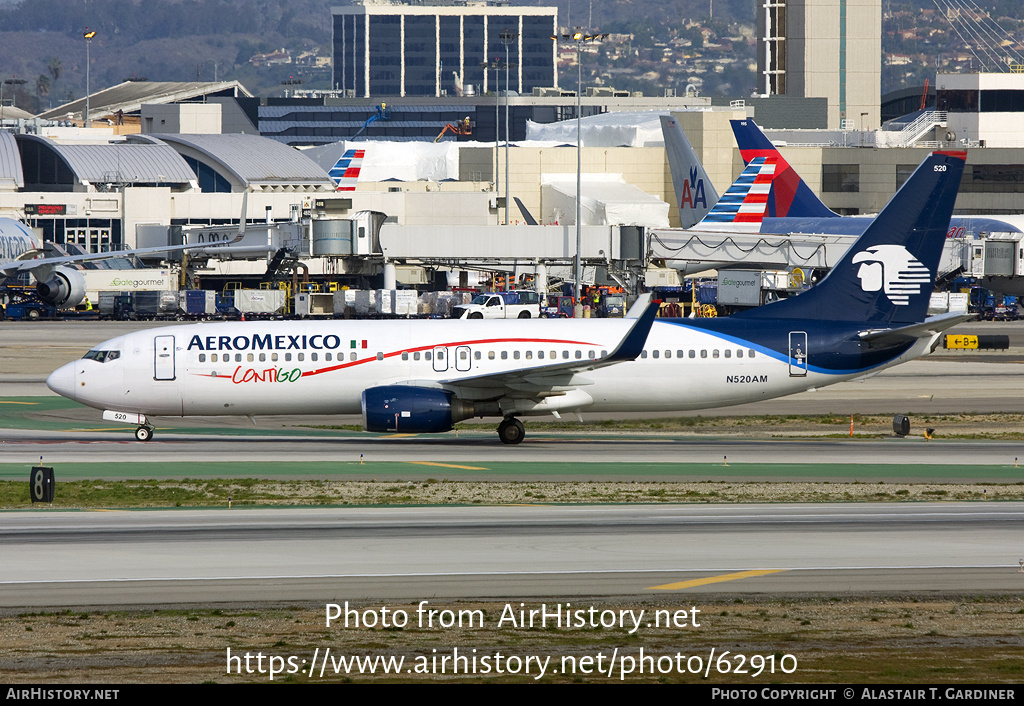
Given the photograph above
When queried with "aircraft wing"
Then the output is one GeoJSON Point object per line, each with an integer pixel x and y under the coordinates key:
{"type": "Point", "coordinates": [555, 378]}
{"type": "Point", "coordinates": [48, 263]}
{"type": "Point", "coordinates": [929, 327]}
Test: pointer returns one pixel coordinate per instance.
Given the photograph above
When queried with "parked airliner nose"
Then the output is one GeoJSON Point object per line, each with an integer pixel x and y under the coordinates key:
{"type": "Point", "coordinates": [62, 381]}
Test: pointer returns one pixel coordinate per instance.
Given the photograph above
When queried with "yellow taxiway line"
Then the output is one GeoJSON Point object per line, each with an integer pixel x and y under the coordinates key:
{"type": "Point", "coordinates": [714, 579]}
{"type": "Point", "coordinates": [449, 465]}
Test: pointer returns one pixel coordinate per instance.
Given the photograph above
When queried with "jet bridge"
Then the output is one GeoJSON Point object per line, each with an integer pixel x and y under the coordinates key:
{"type": "Point", "coordinates": [695, 251]}
{"type": "Point", "coordinates": [691, 251]}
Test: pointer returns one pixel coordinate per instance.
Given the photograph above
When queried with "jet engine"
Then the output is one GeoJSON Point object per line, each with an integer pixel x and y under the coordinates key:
{"type": "Point", "coordinates": [413, 410]}
{"type": "Point", "coordinates": [63, 287]}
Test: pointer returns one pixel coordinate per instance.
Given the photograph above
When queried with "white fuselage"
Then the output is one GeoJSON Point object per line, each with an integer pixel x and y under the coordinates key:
{"type": "Point", "coordinates": [316, 368]}
{"type": "Point", "coordinates": [15, 240]}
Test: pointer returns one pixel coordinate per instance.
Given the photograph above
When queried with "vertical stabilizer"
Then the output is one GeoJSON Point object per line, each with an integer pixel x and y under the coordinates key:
{"type": "Point", "coordinates": [887, 275]}
{"type": "Point", "coordinates": [790, 197]}
{"type": "Point", "coordinates": [742, 207]}
{"type": "Point", "coordinates": [345, 172]}
{"type": "Point", "coordinates": [695, 194]}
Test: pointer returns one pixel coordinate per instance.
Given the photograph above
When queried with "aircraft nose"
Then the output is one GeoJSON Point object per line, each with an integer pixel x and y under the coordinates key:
{"type": "Point", "coordinates": [62, 381]}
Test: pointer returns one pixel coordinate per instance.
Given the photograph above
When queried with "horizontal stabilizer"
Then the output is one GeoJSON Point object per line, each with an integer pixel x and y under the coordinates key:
{"type": "Point", "coordinates": [928, 327]}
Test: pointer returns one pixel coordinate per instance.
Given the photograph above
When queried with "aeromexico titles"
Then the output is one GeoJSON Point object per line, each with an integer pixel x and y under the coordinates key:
{"type": "Point", "coordinates": [417, 376]}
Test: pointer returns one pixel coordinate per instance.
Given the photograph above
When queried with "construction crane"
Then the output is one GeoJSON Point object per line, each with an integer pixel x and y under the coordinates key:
{"type": "Point", "coordinates": [463, 127]}
{"type": "Point", "coordinates": [381, 113]}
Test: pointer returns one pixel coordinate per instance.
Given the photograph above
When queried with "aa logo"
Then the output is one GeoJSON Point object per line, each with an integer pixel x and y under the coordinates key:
{"type": "Point", "coordinates": [893, 270]}
{"type": "Point", "coordinates": [693, 191]}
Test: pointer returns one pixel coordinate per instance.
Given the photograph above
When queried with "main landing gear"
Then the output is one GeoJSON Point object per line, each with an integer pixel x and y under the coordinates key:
{"type": "Point", "coordinates": [511, 431]}
{"type": "Point", "coordinates": [144, 433]}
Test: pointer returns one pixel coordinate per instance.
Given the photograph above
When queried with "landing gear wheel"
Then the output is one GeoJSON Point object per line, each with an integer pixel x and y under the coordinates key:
{"type": "Point", "coordinates": [144, 433]}
{"type": "Point", "coordinates": [511, 431]}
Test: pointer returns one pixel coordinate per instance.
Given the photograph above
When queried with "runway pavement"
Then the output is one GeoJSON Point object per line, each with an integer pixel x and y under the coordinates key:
{"type": "Point", "coordinates": [543, 456]}
{"type": "Point", "coordinates": [144, 557]}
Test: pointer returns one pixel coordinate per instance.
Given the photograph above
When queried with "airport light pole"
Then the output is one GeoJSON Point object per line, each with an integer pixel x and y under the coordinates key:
{"type": "Point", "coordinates": [579, 37]}
{"type": "Point", "coordinates": [88, 35]}
{"type": "Point", "coordinates": [8, 82]}
{"type": "Point", "coordinates": [506, 39]}
{"type": "Point", "coordinates": [495, 64]}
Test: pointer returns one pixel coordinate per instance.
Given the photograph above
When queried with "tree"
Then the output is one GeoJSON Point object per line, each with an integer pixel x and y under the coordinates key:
{"type": "Point", "coordinates": [43, 90]}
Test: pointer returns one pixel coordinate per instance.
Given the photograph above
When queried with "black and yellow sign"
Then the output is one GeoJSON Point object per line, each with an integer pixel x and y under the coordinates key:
{"type": "Point", "coordinates": [961, 341]}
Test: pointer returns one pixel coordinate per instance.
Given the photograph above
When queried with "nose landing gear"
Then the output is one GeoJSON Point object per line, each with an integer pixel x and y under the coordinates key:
{"type": "Point", "coordinates": [144, 433]}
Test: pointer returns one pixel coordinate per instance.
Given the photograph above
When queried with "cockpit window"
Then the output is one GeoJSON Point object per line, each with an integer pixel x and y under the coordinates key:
{"type": "Point", "coordinates": [103, 356]}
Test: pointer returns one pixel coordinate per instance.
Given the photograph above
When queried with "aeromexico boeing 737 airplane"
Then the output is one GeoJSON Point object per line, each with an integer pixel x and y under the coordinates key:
{"type": "Point", "coordinates": [868, 314]}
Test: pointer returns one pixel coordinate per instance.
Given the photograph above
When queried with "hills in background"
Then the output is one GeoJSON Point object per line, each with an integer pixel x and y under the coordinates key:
{"type": "Point", "coordinates": [659, 44]}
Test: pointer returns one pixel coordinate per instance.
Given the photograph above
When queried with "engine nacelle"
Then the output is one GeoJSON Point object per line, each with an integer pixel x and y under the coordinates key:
{"type": "Point", "coordinates": [412, 410]}
{"type": "Point", "coordinates": [65, 287]}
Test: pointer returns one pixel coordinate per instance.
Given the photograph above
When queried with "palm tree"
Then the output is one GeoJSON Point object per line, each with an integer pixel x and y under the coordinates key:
{"type": "Point", "coordinates": [43, 89]}
{"type": "Point", "coordinates": [56, 69]}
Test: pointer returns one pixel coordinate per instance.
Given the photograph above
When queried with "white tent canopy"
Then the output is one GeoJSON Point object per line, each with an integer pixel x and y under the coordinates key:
{"type": "Point", "coordinates": [620, 129]}
{"type": "Point", "coordinates": [607, 200]}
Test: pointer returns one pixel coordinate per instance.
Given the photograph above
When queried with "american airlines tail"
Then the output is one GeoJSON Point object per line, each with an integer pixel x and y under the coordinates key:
{"type": "Point", "coordinates": [695, 194]}
{"type": "Point", "coordinates": [790, 197]}
{"type": "Point", "coordinates": [742, 207]}
{"type": "Point", "coordinates": [345, 172]}
{"type": "Point", "coordinates": [887, 275]}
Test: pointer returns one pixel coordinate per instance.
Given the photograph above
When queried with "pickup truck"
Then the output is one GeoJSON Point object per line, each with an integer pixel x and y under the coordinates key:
{"type": "Point", "coordinates": [500, 305]}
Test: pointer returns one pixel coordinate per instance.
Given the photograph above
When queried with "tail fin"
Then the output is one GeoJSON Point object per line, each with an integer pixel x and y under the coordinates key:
{"type": "Point", "coordinates": [888, 274]}
{"type": "Point", "coordinates": [695, 194]}
{"type": "Point", "coordinates": [742, 207]}
{"type": "Point", "coordinates": [345, 172]}
{"type": "Point", "coordinates": [527, 216]}
{"type": "Point", "coordinates": [790, 196]}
